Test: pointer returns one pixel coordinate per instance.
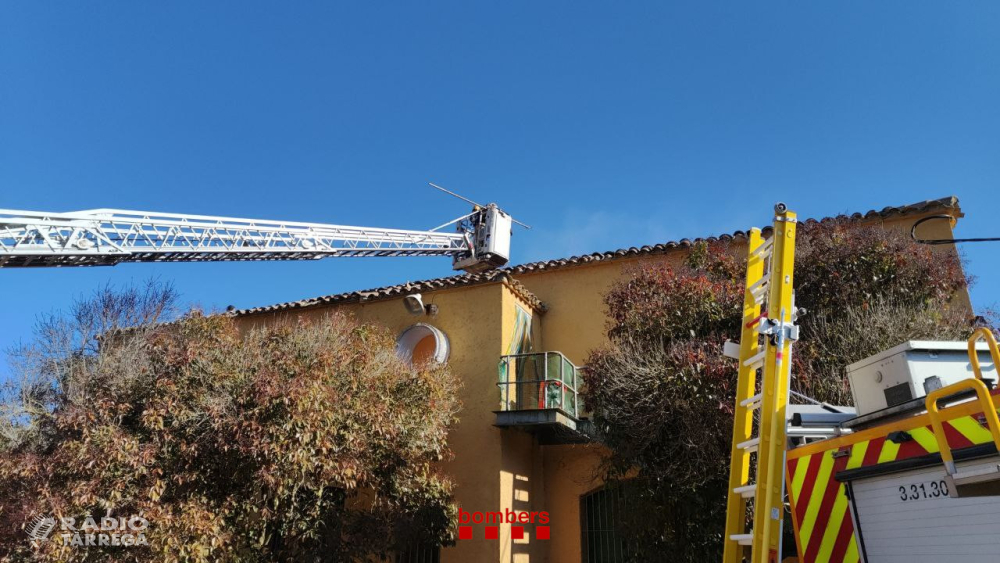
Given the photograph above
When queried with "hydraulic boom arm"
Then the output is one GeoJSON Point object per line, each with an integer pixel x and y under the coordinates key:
{"type": "Point", "coordinates": [105, 237]}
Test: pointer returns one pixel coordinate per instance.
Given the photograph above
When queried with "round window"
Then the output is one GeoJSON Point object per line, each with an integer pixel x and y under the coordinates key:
{"type": "Point", "coordinates": [422, 343]}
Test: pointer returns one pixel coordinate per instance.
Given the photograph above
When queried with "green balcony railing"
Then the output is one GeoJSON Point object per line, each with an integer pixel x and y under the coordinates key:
{"type": "Point", "coordinates": [543, 380]}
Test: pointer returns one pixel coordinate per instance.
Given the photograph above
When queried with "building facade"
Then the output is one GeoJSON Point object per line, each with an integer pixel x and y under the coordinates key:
{"type": "Point", "coordinates": [516, 337]}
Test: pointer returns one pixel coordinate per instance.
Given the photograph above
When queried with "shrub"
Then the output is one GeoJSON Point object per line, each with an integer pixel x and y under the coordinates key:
{"type": "Point", "coordinates": [289, 442]}
{"type": "Point", "coordinates": [663, 395]}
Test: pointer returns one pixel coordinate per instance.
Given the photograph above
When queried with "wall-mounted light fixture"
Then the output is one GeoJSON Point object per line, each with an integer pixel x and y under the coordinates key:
{"type": "Point", "coordinates": [414, 304]}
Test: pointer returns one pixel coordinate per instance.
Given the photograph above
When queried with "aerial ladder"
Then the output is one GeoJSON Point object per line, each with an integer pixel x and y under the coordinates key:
{"type": "Point", "coordinates": [106, 237]}
{"type": "Point", "coordinates": [757, 461]}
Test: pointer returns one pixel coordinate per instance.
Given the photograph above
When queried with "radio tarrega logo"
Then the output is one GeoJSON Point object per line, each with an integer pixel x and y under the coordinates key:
{"type": "Point", "coordinates": [108, 531]}
{"type": "Point", "coordinates": [492, 520]}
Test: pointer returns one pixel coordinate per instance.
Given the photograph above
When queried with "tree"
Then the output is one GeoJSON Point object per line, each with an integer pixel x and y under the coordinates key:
{"type": "Point", "coordinates": [663, 395]}
{"type": "Point", "coordinates": [305, 442]}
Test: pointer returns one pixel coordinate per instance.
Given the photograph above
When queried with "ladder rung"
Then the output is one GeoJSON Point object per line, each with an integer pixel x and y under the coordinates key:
{"type": "Point", "coordinates": [746, 491]}
{"type": "Point", "coordinates": [750, 445]}
{"type": "Point", "coordinates": [758, 286]}
{"type": "Point", "coordinates": [731, 349]}
{"type": "Point", "coordinates": [751, 402]}
{"type": "Point", "coordinates": [742, 539]}
{"type": "Point", "coordinates": [756, 361]}
{"type": "Point", "coordinates": [763, 250]}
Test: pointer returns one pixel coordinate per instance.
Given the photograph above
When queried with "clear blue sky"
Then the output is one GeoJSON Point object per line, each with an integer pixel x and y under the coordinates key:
{"type": "Point", "coordinates": [602, 126]}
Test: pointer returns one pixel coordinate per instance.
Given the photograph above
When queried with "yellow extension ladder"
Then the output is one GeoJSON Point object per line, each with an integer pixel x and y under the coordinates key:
{"type": "Point", "coordinates": [765, 345]}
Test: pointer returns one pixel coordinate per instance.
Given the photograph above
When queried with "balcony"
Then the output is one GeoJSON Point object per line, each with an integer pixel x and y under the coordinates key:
{"type": "Point", "coordinates": [538, 393]}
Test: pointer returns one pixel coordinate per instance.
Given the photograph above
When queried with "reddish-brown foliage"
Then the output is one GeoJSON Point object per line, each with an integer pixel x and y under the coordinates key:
{"type": "Point", "coordinates": [663, 395]}
{"type": "Point", "coordinates": [304, 442]}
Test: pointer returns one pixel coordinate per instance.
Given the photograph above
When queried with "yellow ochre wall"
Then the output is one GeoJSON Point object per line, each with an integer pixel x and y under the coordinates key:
{"type": "Point", "coordinates": [521, 482]}
{"type": "Point", "coordinates": [498, 469]}
{"type": "Point", "coordinates": [472, 318]}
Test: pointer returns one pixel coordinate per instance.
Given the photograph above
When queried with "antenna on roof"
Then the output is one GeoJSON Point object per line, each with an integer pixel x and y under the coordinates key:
{"type": "Point", "coordinates": [467, 200]}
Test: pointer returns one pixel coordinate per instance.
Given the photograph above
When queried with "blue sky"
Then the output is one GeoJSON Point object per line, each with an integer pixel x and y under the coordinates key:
{"type": "Point", "coordinates": [602, 125]}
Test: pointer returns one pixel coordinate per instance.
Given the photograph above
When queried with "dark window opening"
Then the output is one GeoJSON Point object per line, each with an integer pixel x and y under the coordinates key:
{"type": "Point", "coordinates": [420, 554]}
{"type": "Point", "coordinates": [601, 515]}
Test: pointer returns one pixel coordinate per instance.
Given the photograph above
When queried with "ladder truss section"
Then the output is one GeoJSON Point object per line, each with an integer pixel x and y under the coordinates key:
{"type": "Point", "coordinates": [756, 472]}
{"type": "Point", "coordinates": [104, 237]}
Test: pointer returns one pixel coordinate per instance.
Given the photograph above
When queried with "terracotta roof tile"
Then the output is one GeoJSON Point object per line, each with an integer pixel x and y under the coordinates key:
{"type": "Point", "coordinates": [401, 290]}
{"type": "Point", "coordinates": [947, 203]}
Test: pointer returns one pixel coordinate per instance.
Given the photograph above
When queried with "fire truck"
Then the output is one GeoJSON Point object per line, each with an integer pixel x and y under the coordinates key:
{"type": "Point", "coordinates": [915, 475]}
{"type": "Point", "coordinates": [910, 474]}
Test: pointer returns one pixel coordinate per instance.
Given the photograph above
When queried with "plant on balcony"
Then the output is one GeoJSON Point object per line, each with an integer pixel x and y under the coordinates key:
{"type": "Point", "coordinates": [291, 443]}
{"type": "Point", "coordinates": [662, 394]}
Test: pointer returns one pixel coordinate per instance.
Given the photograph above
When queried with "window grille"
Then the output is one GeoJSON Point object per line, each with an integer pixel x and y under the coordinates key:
{"type": "Point", "coordinates": [420, 554]}
{"type": "Point", "coordinates": [601, 515]}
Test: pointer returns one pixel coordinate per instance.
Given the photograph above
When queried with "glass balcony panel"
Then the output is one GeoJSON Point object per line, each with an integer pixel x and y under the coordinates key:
{"type": "Point", "coordinates": [544, 380]}
{"type": "Point", "coordinates": [554, 361]}
{"type": "Point", "coordinates": [569, 401]}
{"type": "Point", "coordinates": [539, 394]}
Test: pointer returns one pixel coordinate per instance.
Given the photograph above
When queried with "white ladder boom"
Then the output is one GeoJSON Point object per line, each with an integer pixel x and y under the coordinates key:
{"type": "Point", "coordinates": [105, 237]}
